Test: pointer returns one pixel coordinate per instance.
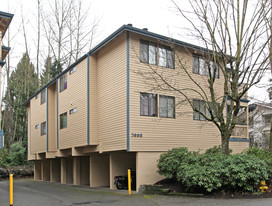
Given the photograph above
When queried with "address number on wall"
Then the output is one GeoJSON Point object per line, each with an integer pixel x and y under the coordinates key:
{"type": "Point", "coordinates": [136, 135]}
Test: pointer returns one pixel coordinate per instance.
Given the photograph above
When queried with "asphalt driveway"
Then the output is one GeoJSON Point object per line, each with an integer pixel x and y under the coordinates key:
{"type": "Point", "coordinates": [35, 193]}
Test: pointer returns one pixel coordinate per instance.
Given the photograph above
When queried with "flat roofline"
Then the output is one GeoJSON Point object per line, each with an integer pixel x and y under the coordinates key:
{"type": "Point", "coordinates": [113, 36]}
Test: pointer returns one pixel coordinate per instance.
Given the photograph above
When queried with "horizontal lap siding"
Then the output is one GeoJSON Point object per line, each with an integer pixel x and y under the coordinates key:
{"type": "Point", "coordinates": [52, 119]}
{"type": "Point", "coordinates": [238, 147]}
{"type": "Point", "coordinates": [38, 115]}
{"type": "Point", "coordinates": [161, 134]}
{"type": "Point", "coordinates": [75, 96]}
{"type": "Point", "coordinates": [111, 77]}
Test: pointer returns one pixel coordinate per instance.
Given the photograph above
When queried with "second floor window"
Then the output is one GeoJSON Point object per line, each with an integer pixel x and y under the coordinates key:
{"type": "Point", "coordinates": [148, 104]}
{"type": "Point", "coordinates": [63, 82]}
{"type": "Point", "coordinates": [201, 67]}
{"type": "Point", "coordinates": [63, 120]}
{"type": "Point", "coordinates": [148, 52]}
{"type": "Point", "coordinates": [43, 96]}
{"type": "Point", "coordinates": [43, 128]}
{"type": "Point", "coordinates": [167, 106]}
{"type": "Point", "coordinates": [166, 57]}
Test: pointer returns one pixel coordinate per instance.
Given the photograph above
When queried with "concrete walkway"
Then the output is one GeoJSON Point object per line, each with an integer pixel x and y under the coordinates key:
{"type": "Point", "coordinates": [34, 193]}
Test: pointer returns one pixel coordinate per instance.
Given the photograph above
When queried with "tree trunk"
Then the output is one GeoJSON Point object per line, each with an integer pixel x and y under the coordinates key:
{"type": "Point", "coordinates": [225, 145]}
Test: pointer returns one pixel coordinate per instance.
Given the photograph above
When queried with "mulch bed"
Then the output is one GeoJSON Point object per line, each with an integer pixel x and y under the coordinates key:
{"type": "Point", "coordinates": [180, 188]}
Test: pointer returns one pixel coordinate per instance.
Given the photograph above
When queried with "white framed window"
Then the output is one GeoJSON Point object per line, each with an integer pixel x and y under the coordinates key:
{"type": "Point", "coordinates": [201, 67]}
{"type": "Point", "coordinates": [73, 70]}
{"type": "Point", "coordinates": [148, 104]}
{"type": "Point", "coordinates": [201, 107]}
{"type": "Point", "coordinates": [72, 111]}
{"type": "Point", "coordinates": [166, 57]}
{"type": "Point", "coordinates": [63, 82]}
{"type": "Point", "coordinates": [167, 106]}
{"type": "Point", "coordinates": [148, 52]}
{"type": "Point", "coordinates": [43, 128]}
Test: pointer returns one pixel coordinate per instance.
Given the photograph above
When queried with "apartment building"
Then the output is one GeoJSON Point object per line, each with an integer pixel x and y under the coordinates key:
{"type": "Point", "coordinates": [102, 116]}
{"type": "Point", "coordinates": [5, 19]}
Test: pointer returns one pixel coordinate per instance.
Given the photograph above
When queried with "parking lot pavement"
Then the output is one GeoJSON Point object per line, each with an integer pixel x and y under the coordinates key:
{"type": "Point", "coordinates": [35, 193]}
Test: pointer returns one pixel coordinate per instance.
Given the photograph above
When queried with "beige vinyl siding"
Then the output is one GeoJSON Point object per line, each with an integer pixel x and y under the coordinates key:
{"type": "Point", "coordinates": [31, 155]}
{"type": "Point", "coordinates": [52, 118]}
{"type": "Point", "coordinates": [161, 134]}
{"type": "Point", "coordinates": [75, 96]}
{"type": "Point", "coordinates": [38, 116]}
{"type": "Point", "coordinates": [238, 147]}
{"type": "Point", "coordinates": [111, 77]}
{"type": "Point", "coordinates": [93, 100]}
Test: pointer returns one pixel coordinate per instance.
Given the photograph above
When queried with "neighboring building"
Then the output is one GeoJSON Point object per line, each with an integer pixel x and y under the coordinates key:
{"type": "Point", "coordinates": [99, 117]}
{"type": "Point", "coordinates": [260, 115]}
{"type": "Point", "coordinates": [5, 19]}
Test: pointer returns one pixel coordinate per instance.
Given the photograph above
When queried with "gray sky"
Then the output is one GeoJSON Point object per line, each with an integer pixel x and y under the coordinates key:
{"type": "Point", "coordinates": [156, 15]}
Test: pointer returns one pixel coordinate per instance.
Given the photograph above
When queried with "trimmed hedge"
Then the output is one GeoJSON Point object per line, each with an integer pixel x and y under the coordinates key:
{"type": "Point", "coordinates": [213, 171]}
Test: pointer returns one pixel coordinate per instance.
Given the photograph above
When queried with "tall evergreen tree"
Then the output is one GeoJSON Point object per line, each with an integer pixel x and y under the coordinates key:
{"type": "Point", "coordinates": [23, 83]}
{"type": "Point", "coordinates": [46, 77]}
{"type": "Point", "coordinates": [55, 69]}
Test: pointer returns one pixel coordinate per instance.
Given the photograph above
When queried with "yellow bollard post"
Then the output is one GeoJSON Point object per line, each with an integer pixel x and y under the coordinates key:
{"type": "Point", "coordinates": [11, 190]}
{"type": "Point", "coordinates": [129, 183]}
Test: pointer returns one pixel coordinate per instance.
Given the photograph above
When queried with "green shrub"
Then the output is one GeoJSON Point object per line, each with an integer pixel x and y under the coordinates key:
{"type": "Point", "coordinates": [16, 156]}
{"type": "Point", "coordinates": [170, 161]}
{"type": "Point", "coordinates": [214, 171]}
{"type": "Point", "coordinates": [263, 155]}
{"type": "Point", "coordinates": [202, 171]}
{"type": "Point", "coordinates": [216, 150]}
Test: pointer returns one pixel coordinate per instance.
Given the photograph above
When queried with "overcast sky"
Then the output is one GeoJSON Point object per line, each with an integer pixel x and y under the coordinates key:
{"type": "Point", "coordinates": [156, 15]}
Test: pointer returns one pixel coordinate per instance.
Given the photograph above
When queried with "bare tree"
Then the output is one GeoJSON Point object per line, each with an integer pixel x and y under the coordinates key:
{"type": "Point", "coordinates": [234, 41]}
{"type": "Point", "coordinates": [67, 30]}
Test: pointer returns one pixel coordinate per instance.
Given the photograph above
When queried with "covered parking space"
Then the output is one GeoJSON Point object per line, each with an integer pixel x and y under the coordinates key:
{"type": "Point", "coordinates": [120, 162]}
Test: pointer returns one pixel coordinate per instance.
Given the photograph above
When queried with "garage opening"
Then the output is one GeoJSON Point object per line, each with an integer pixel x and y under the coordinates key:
{"type": "Point", "coordinates": [85, 170]}
{"type": "Point", "coordinates": [69, 170]}
{"type": "Point", "coordinates": [99, 170]}
{"type": "Point", "coordinates": [46, 170]}
{"type": "Point", "coordinates": [55, 170]}
{"type": "Point", "coordinates": [120, 162]}
{"type": "Point", "coordinates": [37, 170]}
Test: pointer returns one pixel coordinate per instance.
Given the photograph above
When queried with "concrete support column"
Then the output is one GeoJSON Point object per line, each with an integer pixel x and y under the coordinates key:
{"type": "Point", "coordinates": [63, 173]}
{"type": "Point", "coordinates": [76, 170]}
{"type": "Point", "coordinates": [37, 170]}
{"type": "Point", "coordinates": [146, 167]}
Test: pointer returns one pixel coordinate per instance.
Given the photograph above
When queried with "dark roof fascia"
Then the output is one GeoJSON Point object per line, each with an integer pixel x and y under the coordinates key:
{"type": "Point", "coordinates": [167, 39]}
{"type": "Point", "coordinates": [2, 63]}
{"type": "Point", "coordinates": [5, 48]}
{"type": "Point", "coordinates": [110, 38]}
{"type": "Point", "coordinates": [8, 16]}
